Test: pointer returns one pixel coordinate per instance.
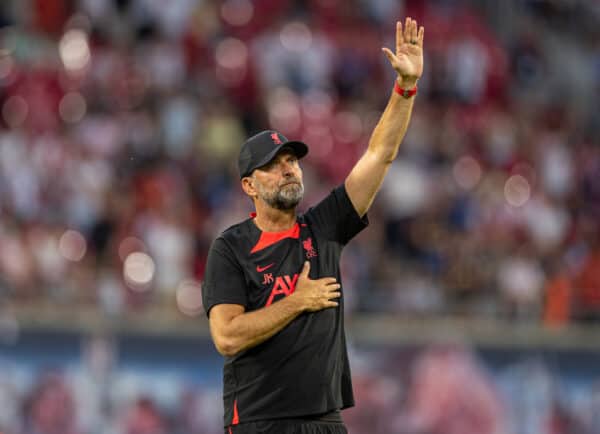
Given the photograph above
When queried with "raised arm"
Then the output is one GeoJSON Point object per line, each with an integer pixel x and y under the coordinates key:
{"type": "Point", "coordinates": [365, 179]}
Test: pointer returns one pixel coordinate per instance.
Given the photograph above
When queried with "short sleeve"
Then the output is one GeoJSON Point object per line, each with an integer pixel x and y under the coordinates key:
{"type": "Point", "coordinates": [336, 217]}
{"type": "Point", "coordinates": [224, 280]}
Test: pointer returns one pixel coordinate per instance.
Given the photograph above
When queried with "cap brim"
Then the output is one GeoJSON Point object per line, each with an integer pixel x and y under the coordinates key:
{"type": "Point", "coordinates": [298, 148]}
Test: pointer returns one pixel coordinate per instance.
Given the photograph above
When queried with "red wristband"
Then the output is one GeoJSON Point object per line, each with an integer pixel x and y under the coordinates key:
{"type": "Point", "coordinates": [406, 93]}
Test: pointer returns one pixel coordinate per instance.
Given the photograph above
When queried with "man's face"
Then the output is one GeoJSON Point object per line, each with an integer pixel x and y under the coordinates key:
{"type": "Point", "coordinates": [279, 183]}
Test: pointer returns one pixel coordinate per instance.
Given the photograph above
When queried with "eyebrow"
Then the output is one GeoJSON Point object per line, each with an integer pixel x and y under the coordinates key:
{"type": "Point", "coordinates": [284, 156]}
{"type": "Point", "coordinates": [279, 157]}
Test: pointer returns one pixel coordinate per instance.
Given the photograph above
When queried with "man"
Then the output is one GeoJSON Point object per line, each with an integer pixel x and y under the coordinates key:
{"type": "Point", "coordinates": [272, 287]}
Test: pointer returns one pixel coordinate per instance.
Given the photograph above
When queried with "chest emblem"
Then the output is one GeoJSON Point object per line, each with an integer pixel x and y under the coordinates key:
{"type": "Point", "coordinates": [308, 247]}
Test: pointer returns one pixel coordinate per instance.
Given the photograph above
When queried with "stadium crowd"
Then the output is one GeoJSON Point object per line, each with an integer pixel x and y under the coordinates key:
{"type": "Point", "coordinates": [121, 123]}
{"type": "Point", "coordinates": [119, 131]}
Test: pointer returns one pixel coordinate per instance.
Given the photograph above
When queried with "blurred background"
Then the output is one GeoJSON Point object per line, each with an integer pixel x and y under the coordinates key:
{"type": "Point", "coordinates": [473, 300]}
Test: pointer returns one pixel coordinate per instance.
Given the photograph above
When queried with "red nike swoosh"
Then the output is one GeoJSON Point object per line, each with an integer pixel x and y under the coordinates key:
{"type": "Point", "coordinates": [266, 267]}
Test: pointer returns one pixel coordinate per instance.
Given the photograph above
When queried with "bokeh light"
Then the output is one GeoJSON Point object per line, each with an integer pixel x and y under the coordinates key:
{"type": "Point", "coordinates": [517, 190]}
{"type": "Point", "coordinates": [237, 12]}
{"type": "Point", "coordinates": [72, 245]}
{"type": "Point", "coordinates": [74, 50]}
{"type": "Point", "coordinates": [296, 37]}
{"type": "Point", "coordinates": [231, 53]}
{"type": "Point", "coordinates": [284, 110]}
{"type": "Point", "coordinates": [320, 140]}
{"type": "Point", "coordinates": [317, 106]}
{"type": "Point", "coordinates": [72, 107]}
{"type": "Point", "coordinates": [189, 297]}
{"type": "Point", "coordinates": [138, 271]}
{"type": "Point", "coordinates": [467, 172]}
{"type": "Point", "coordinates": [348, 127]}
{"type": "Point", "coordinates": [15, 110]}
{"type": "Point", "coordinates": [231, 56]}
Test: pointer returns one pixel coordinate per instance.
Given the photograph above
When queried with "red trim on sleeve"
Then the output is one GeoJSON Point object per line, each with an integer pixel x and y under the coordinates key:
{"type": "Point", "coordinates": [236, 417]}
{"type": "Point", "coordinates": [268, 238]}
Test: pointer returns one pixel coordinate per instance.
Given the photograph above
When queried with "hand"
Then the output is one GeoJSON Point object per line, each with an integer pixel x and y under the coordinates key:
{"type": "Point", "coordinates": [316, 294]}
{"type": "Point", "coordinates": [408, 60]}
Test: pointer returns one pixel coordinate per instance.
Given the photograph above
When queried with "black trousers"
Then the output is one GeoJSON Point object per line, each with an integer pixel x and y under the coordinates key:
{"type": "Point", "coordinates": [287, 426]}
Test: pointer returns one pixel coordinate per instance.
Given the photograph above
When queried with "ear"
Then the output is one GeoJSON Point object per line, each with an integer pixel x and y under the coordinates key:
{"type": "Point", "coordinates": [248, 187]}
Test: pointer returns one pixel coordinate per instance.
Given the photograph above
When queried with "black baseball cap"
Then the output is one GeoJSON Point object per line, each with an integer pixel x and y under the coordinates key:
{"type": "Point", "coordinates": [261, 148]}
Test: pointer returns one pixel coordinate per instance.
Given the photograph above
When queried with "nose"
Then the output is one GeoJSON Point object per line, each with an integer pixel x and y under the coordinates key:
{"type": "Point", "coordinates": [287, 169]}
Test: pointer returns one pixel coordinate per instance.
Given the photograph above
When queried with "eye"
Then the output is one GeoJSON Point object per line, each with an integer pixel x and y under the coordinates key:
{"type": "Point", "coordinates": [267, 166]}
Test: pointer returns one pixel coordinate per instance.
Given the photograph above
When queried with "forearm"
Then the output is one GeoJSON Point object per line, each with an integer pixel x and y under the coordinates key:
{"type": "Point", "coordinates": [365, 179]}
{"type": "Point", "coordinates": [391, 128]}
{"type": "Point", "coordinates": [234, 330]}
{"type": "Point", "coordinates": [252, 328]}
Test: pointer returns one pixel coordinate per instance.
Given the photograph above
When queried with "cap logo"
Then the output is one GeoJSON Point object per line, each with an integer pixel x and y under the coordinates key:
{"type": "Point", "coordinates": [276, 139]}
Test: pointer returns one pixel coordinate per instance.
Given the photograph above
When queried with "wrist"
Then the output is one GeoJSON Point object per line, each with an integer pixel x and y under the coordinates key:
{"type": "Point", "coordinates": [296, 302]}
{"type": "Point", "coordinates": [405, 91]}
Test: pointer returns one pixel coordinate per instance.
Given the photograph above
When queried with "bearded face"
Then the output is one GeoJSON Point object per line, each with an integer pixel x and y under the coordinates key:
{"type": "Point", "coordinates": [284, 196]}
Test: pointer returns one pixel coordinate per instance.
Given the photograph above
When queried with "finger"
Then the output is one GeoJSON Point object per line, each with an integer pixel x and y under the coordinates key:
{"type": "Point", "coordinates": [333, 286]}
{"type": "Point", "coordinates": [328, 280]}
{"type": "Point", "coordinates": [421, 36]}
{"type": "Point", "coordinates": [391, 57]}
{"type": "Point", "coordinates": [335, 294]}
{"type": "Point", "coordinates": [413, 31]}
{"type": "Point", "coordinates": [305, 269]}
{"type": "Point", "coordinates": [331, 304]}
{"type": "Point", "coordinates": [399, 36]}
{"type": "Point", "coordinates": [407, 29]}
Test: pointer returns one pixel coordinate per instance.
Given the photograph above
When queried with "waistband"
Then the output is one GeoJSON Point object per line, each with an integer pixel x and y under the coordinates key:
{"type": "Point", "coordinates": [334, 416]}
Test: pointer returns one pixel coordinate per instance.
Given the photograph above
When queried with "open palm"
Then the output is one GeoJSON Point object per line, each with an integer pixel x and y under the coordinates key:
{"type": "Point", "coordinates": [408, 59]}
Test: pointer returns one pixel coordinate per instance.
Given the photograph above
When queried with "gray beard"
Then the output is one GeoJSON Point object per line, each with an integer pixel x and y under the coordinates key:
{"type": "Point", "coordinates": [286, 198]}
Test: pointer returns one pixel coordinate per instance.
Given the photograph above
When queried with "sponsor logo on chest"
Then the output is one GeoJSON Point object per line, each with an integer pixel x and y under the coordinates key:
{"type": "Point", "coordinates": [284, 284]}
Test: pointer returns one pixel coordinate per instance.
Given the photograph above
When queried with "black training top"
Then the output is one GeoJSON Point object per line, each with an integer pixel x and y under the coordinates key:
{"type": "Point", "coordinates": [303, 369]}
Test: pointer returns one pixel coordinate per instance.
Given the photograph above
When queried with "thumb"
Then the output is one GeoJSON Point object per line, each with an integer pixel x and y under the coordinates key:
{"type": "Point", "coordinates": [388, 53]}
{"type": "Point", "coordinates": [305, 269]}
